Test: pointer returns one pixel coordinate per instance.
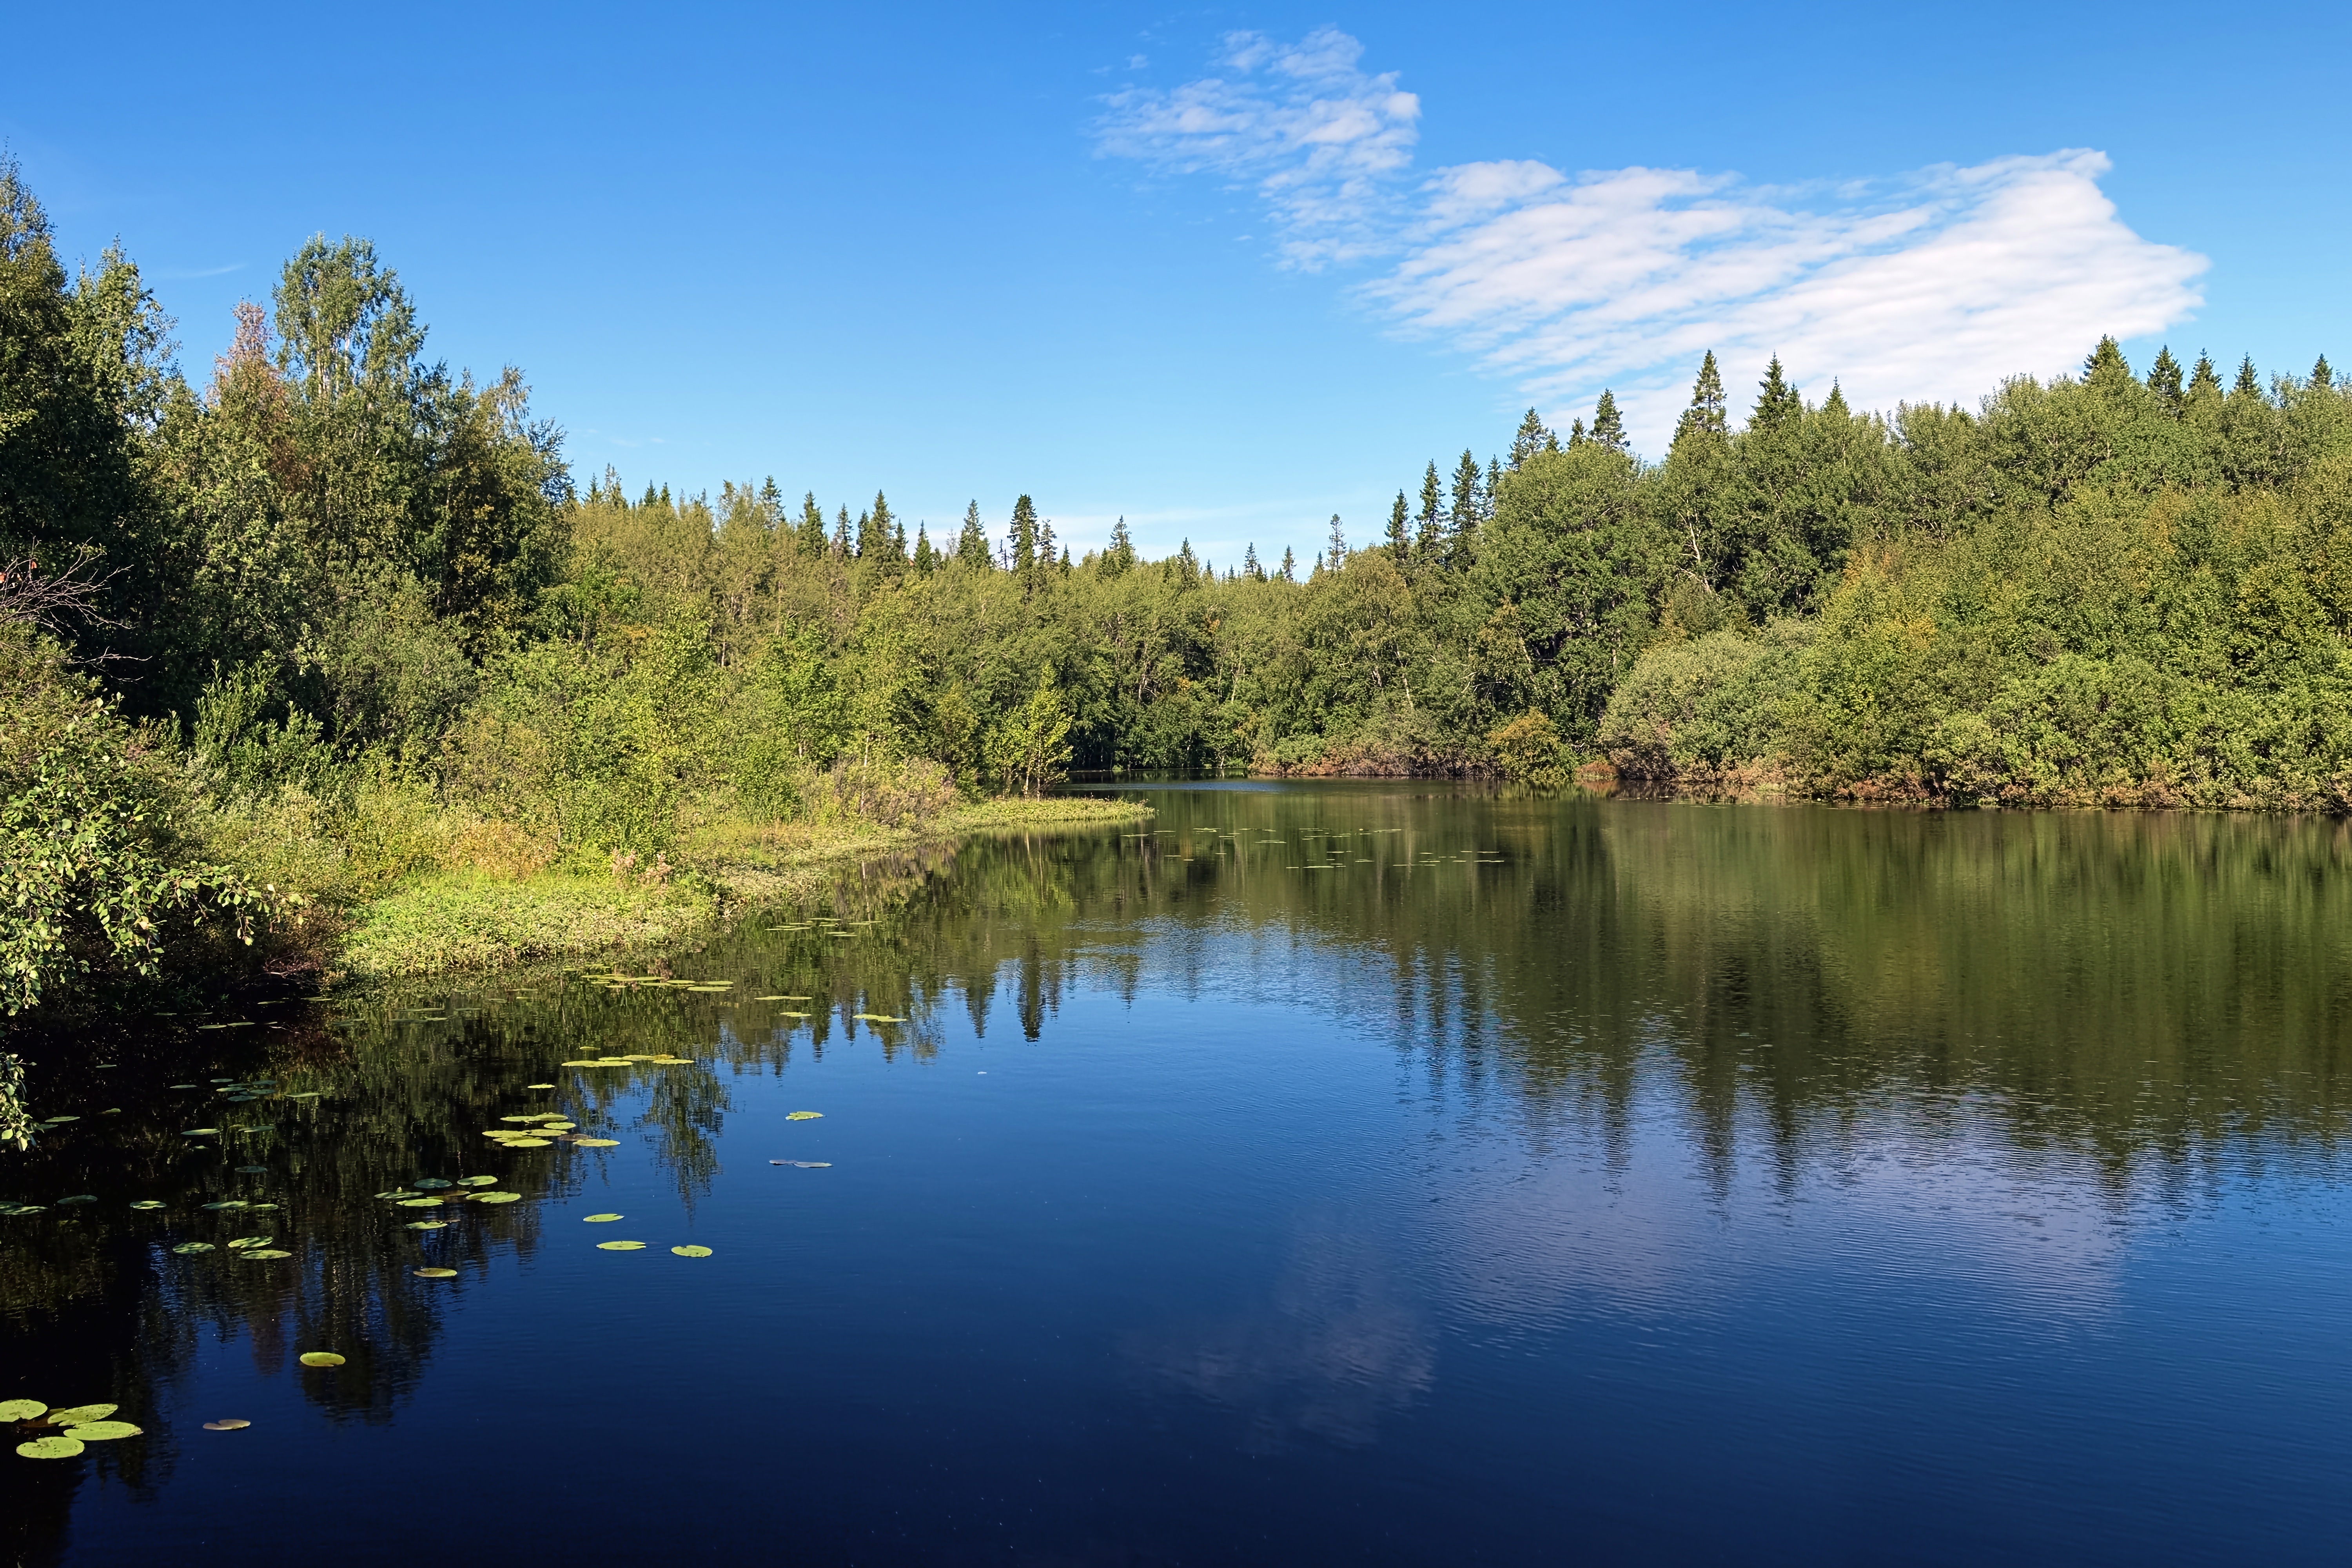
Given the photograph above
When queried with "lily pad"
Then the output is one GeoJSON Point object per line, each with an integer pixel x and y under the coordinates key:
{"type": "Point", "coordinates": [20, 1409]}
{"type": "Point", "coordinates": [526, 1142]}
{"type": "Point", "coordinates": [81, 1198]}
{"type": "Point", "coordinates": [263, 1252]}
{"type": "Point", "coordinates": [478, 1181]}
{"type": "Point", "coordinates": [431, 1185]}
{"type": "Point", "coordinates": [599, 1218]}
{"type": "Point", "coordinates": [532, 1118]}
{"type": "Point", "coordinates": [396, 1193]}
{"type": "Point", "coordinates": [426, 1225]}
{"type": "Point", "coordinates": [265, 1208]}
{"type": "Point", "coordinates": [804, 1116]}
{"type": "Point", "coordinates": [435, 1273]}
{"type": "Point", "coordinates": [498, 1198]}
{"type": "Point", "coordinates": [104, 1431]}
{"type": "Point", "coordinates": [199, 1132]}
{"type": "Point", "coordinates": [598, 1143]}
{"type": "Point", "coordinates": [558, 1126]}
{"type": "Point", "coordinates": [421, 1203]}
{"type": "Point", "coordinates": [50, 1448]}
{"type": "Point", "coordinates": [227, 1204]}
{"type": "Point", "coordinates": [83, 1413]}
{"type": "Point", "coordinates": [580, 1064]}
{"type": "Point", "coordinates": [242, 1242]}
{"type": "Point", "coordinates": [539, 1086]}
{"type": "Point", "coordinates": [230, 1424]}
{"type": "Point", "coordinates": [691, 1252]}
{"type": "Point", "coordinates": [620, 1246]}
{"type": "Point", "coordinates": [186, 1248]}
{"type": "Point", "coordinates": [320, 1358]}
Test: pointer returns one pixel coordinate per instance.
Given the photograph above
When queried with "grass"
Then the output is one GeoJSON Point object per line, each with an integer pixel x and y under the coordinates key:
{"type": "Point", "coordinates": [445, 920]}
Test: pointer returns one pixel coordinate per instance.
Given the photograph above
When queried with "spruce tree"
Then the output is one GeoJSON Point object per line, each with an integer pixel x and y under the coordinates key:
{"type": "Point", "coordinates": [1532, 439]}
{"type": "Point", "coordinates": [1706, 415]}
{"type": "Point", "coordinates": [1337, 555]}
{"type": "Point", "coordinates": [2322, 377]}
{"type": "Point", "coordinates": [1023, 539]}
{"type": "Point", "coordinates": [2204, 393]}
{"type": "Point", "coordinates": [1576, 437]}
{"type": "Point", "coordinates": [1493, 488]}
{"type": "Point", "coordinates": [2250, 382]}
{"type": "Point", "coordinates": [1430, 543]}
{"type": "Point", "coordinates": [926, 560]}
{"type": "Point", "coordinates": [1777, 407]}
{"type": "Point", "coordinates": [1289, 573]}
{"type": "Point", "coordinates": [2164, 379]}
{"type": "Point", "coordinates": [812, 529]}
{"type": "Point", "coordinates": [1462, 519]}
{"type": "Point", "coordinates": [1400, 531]}
{"type": "Point", "coordinates": [1608, 426]}
{"type": "Point", "coordinates": [971, 544]}
{"type": "Point", "coordinates": [1118, 556]}
{"type": "Point", "coordinates": [1250, 568]}
{"type": "Point", "coordinates": [2105, 365]}
{"type": "Point", "coordinates": [841, 533]}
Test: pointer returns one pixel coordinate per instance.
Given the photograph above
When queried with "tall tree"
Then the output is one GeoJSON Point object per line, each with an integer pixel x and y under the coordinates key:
{"type": "Point", "coordinates": [1608, 426]}
{"type": "Point", "coordinates": [1706, 415]}
{"type": "Point", "coordinates": [1530, 438]}
{"type": "Point", "coordinates": [1400, 537]}
{"type": "Point", "coordinates": [971, 542]}
{"type": "Point", "coordinates": [2164, 379]}
{"type": "Point", "coordinates": [1777, 407]}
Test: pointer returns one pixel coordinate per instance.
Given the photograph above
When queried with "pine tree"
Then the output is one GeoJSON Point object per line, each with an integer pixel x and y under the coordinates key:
{"type": "Point", "coordinates": [1250, 568]}
{"type": "Point", "coordinates": [865, 548]}
{"type": "Point", "coordinates": [1706, 415]}
{"type": "Point", "coordinates": [811, 530]}
{"type": "Point", "coordinates": [1493, 488]}
{"type": "Point", "coordinates": [1834, 405]}
{"type": "Point", "coordinates": [1608, 426]}
{"type": "Point", "coordinates": [2105, 365]}
{"type": "Point", "coordinates": [1337, 555]}
{"type": "Point", "coordinates": [1289, 572]}
{"type": "Point", "coordinates": [1777, 407]}
{"type": "Point", "coordinates": [926, 560]}
{"type": "Point", "coordinates": [2164, 378]}
{"type": "Point", "coordinates": [875, 536]}
{"type": "Point", "coordinates": [1576, 437]}
{"type": "Point", "coordinates": [771, 501]}
{"type": "Point", "coordinates": [1046, 545]}
{"type": "Point", "coordinates": [841, 534]}
{"type": "Point", "coordinates": [1118, 556]}
{"type": "Point", "coordinates": [2204, 393]}
{"type": "Point", "coordinates": [2322, 377]}
{"type": "Point", "coordinates": [898, 543]}
{"type": "Point", "coordinates": [1532, 439]}
{"type": "Point", "coordinates": [1400, 531]}
{"type": "Point", "coordinates": [2250, 382]}
{"type": "Point", "coordinates": [971, 544]}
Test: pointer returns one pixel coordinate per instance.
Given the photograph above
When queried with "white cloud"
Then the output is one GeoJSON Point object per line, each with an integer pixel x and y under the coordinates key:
{"type": "Point", "coordinates": [1933, 285]}
{"type": "Point", "coordinates": [1319, 140]}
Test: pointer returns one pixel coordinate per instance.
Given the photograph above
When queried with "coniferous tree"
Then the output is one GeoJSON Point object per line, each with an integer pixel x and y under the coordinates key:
{"type": "Point", "coordinates": [1118, 556]}
{"type": "Point", "coordinates": [1608, 425]}
{"type": "Point", "coordinates": [1021, 540]}
{"type": "Point", "coordinates": [841, 533]}
{"type": "Point", "coordinates": [1429, 544]}
{"type": "Point", "coordinates": [1530, 438]}
{"type": "Point", "coordinates": [926, 559]}
{"type": "Point", "coordinates": [2249, 381]}
{"type": "Point", "coordinates": [971, 544]}
{"type": "Point", "coordinates": [1289, 570]}
{"type": "Point", "coordinates": [812, 529]}
{"type": "Point", "coordinates": [1400, 540]}
{"type": "Point", "coordinates": [2203, 401]}
{"type": "Point", "coordinates": [2164, 379]}
{"type": "Point", "coordinates": [1463, 518]}
{"type": "Point", "coordinates": [1706, 414]}
{"type": "Point", "coordinates": [2322, 376]}
{"type": "Point", "coordinates": [1576, 437]}
{"type": "Point", "coordinates": [1336, 553]}
{"type": "Point", "coordinates": [1250, 568]}
{"type": "Point", "coordinates": [1777, 407]}
{"type": "Point", "coordinates": [2105, 365]}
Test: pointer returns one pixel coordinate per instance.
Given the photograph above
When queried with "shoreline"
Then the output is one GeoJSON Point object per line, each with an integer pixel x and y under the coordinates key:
{"type": "Point", "coordinates": [456, 922]}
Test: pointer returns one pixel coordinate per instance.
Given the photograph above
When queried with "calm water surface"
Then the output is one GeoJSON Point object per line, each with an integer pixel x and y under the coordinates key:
{"type": "Point", "coordinates": [1345, 1172]}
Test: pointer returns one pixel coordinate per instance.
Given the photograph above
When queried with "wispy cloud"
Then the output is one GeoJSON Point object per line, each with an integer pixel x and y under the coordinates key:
{"type": "Point", "coordinates": [1933, 284]}
{"type": "Point", "coordinates": [182, 274]}
{"type": "Point", "coordinates": [1321, 142]}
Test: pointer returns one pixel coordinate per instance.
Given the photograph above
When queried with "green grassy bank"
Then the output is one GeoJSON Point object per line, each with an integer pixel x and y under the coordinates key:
{"type": "Point", "coordinates": [452, 920]}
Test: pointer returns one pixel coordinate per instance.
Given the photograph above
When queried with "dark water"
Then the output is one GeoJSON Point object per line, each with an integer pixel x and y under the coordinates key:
{"type": "Point", "coordinates": [1337, 1174]}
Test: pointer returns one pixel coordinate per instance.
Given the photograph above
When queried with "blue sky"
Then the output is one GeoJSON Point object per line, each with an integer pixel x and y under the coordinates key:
{"type": "Point", "coordinates": [1222, 270]}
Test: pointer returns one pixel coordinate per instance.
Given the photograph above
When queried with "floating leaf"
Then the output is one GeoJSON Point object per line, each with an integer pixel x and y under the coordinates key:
{"type": "Point", "coordinates": [265, 1208]}
{"type": "Point", "coordinates": [81, 1198]}
{"type": "Point", "coordinates": [20, 1409]}
{"type": "Point", "coordinates": [104, 1431]}
{"type": "Point", "coordinates": [599, 1218]}
{"type": "Point", "coordinates": [421, 1203]}
{"type": "Point", "coordinates": [691, 1252]}
{"type": "Point", "coordinates": [526, 1142]}
{"type": "Point", "coordinates": [188, 1246]}
{"type": "Point", "coordinates": [265, 1252]}
{"type": "Point", "coordinates": [804, 1116]}
{"type": "Point", "coordinates": [50, 1448]}
{"type": "Point", "coordinates": [517, 1118]}
{"type": "Point", "coordinates": [398, 1193]}
{"type": "Point", "coordinates": [620, 1246]}
{"type": "Point", "coordinates": [436, 1273]}
{"type": "Point", "coordinates": [478, 1181]}
{"type": "Point", "coordinates": [227, 1203]}
{"type": "Point", "coordinates": [431, 1185]}
{"type": "Point", "coordinates": [60, 1120]}
{"type": "Point", "coordinates": [198, 1131]}
{"type": "Point", "coordinates": [876, 1018]}
{"type": "Point", "coordinates": [427, 1225]}
{"type": "Point", "coordinates": [244, 1241]}
{"type": "Point", "coordinates": [231, 1424]}
{"type": "Point", "coordinates": [539, 1086]}
{"type": "Point", "coordinates": [321, 1358]}
{"type": "Point", "coordinates": [83, 1413]}
{"type": "Point", "coordinates": [598, 1143]}
{"type": "Point", "coordinates": [498, 1198]}
{"type": "Point", "coordinates": [558, 1126]}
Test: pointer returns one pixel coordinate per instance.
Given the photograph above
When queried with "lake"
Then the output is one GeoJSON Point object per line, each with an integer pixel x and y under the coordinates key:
{"type": "Point", "coordinates": [1363, 1173]}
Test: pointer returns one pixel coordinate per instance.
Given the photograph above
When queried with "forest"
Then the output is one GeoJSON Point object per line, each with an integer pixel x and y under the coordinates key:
{"type": "Point", "coordinates": [331, 621]}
